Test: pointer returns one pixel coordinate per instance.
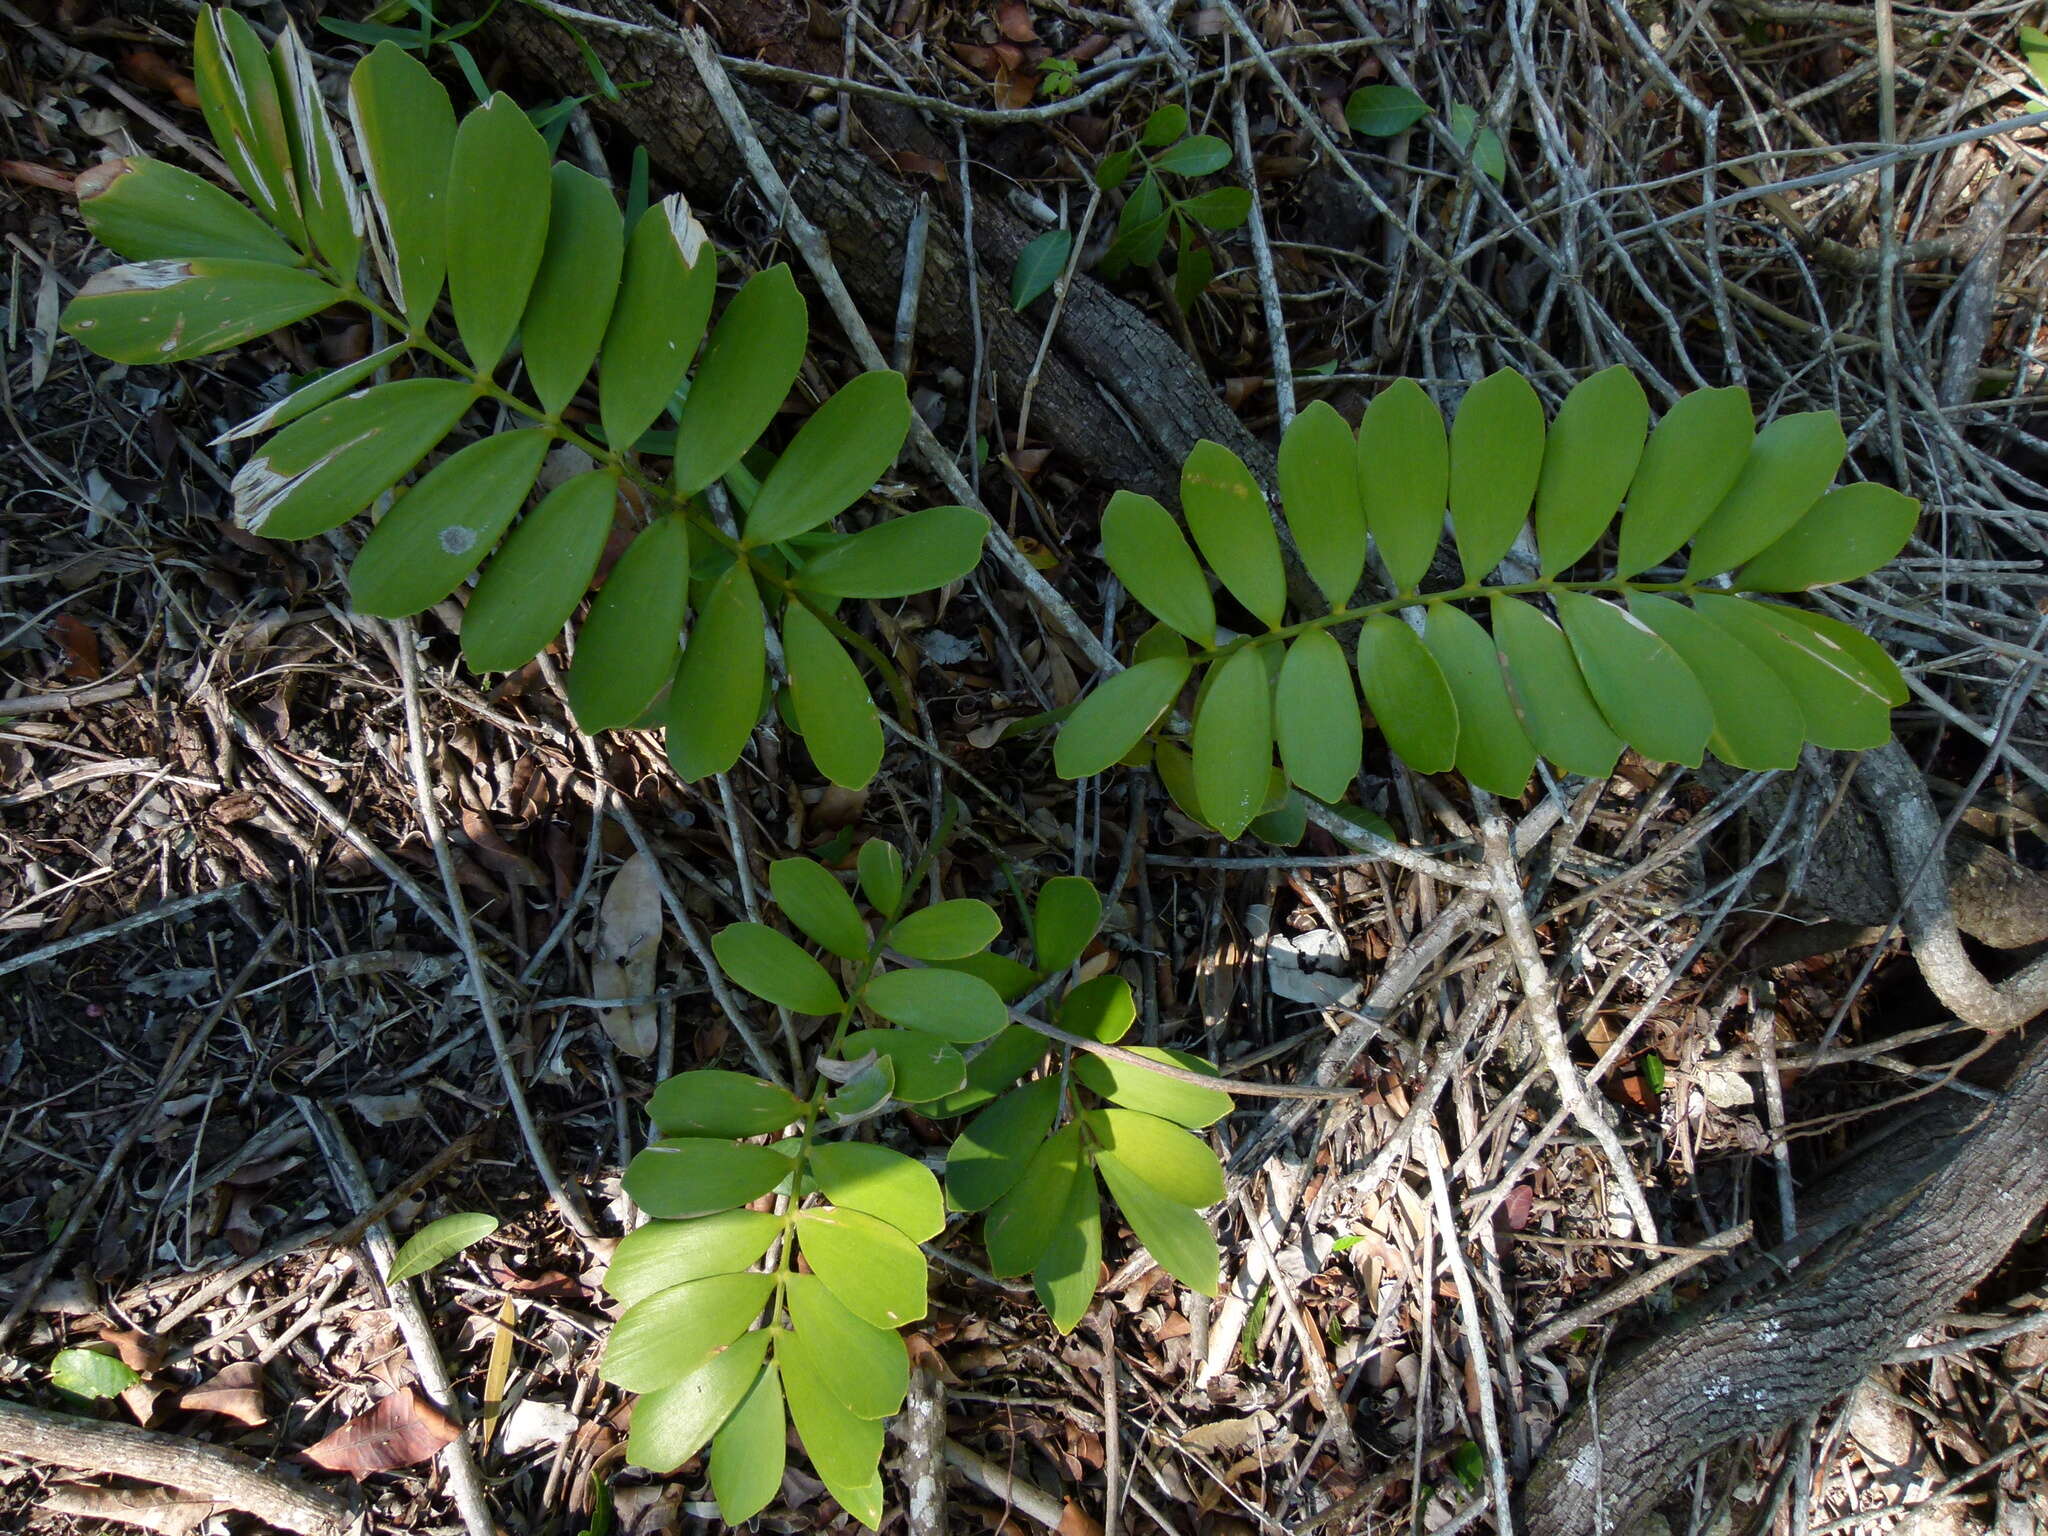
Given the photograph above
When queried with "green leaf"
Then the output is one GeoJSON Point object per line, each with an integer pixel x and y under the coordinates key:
{"type": "Point", "coordinates": [749, 365]}
{"type": "Point", "coordinates": [833, 710]}
{"type": "Point", "coordinates": [1072, 1258]}
{"type": "Point", "coordinates": [1844, 709]}
{"type": "Point", "coordinates": [871, 1086]}
{"type": "Point", "coordinates": [1493, 750]}
{"type": "Point", "coordinates": [497, 185]}
{"type": "Point", "coordinates": [91, 1373]}
{"type": "Point", "coordinates": [748, 1452]}
{"type": "Point", "coordinates": [1692, 460]}
{"type": "Point", "coordinates": [1757, 722]}
{"type": "Point", "coordinates": [1482, 143]}
{"type": "Point", "coordinates": [1202, 155]}
{"type": "Point", "coordinates": [716, 697]}
{"type": "Point", "coordinates": [881, 875]}
{"type": "Point", "coordinates": [990, 1155]}
{"type": "Point", "coordinates": [1193, 274]}
{"type": "Point", "coordinates": [238, 97]}
{"type": "Point", "coordinates": [671, 276]}
{"type": "Point", "coordinates": [719, 1103]}
{"type": "Point", "coordinates": [1381, 111]}
{"type": "Point", "coordinates": [574, 287]}
{"type": "Point", "coordinates": [1649, 696]}
{"type": "Point", "coordinates": [169, 311]}
{"type": "Point", "coordinates": [661, 1254]}
{"type": "Point", "coordinates": [1233, 528]}
{"type": "Point", "coordinates": [691, 1177]}
{"type": "Point", "coordinates": [1063, 920]}
{"type": "Point", "coordinates": [1134, 1087]}
{"type": "Point", "coordinates": [441, 529]}
{"type": "Point", "coordinates": [1100, 1008]}
{"type": "Point", "coordinates": [874, 1270]}
{"type": "Point", "coordinates": [1115, 717]}
{"type": "Point", "coordinates": [885, 1184]}
{"type": "Point", "coordinates": [1166, 124]}
{"type": "Point", "coordinates": [405, 132]}
{"type": "Point", "coordinates": [1233, 741]}
{"type": "Point", "coordinates": [438, 1242]}
{"type": "Point", "coordinates": [1039, 265]}
{"type": "Point", "coordinates": [1879, 671]}
{"type": "Point", "coordinates": [1595, 444]}
{"type": "Point", "coordinates": [950, 1004]}
{"type": "Point", "coordinates": [670, 1334]}
{"type": "Point", "coordinates": [1790, 467]}
{"type": "Point", "coordinates": [1549, 691]}
{"type": "Point", "coordinates": [1143, 545]}
{"type": "Point", "coordinates": [1404, 472]}
{"type": "Point", "coordinates": [147, 210]}
{"type": "Point", "coordinates": [325, 468]}
{"type": "Point", "coordinates": [774, 969]}
{"type": "Point", "coordinates": [1113, 170]}
{"type": "Point", "coordinates": [1406, 691]}
{"type": "Point", "coordinates": [1176, 1236]}
{"type": "Point", "coordinates": [927, 1068]}
{"type": "Point", "coordinates": [811, 897]}
{"type": "Point", "coordinates": [845, 1449]}
{"type": "Point", "coordinates": [317, 391]}
{"type": "Point", "coordinates": [1178, 1165]}
{"type": "Point", "coordinates": [847, 445]}
{"type": "Point", "coordinates": [1315, 715]}
{"type": "Point", "coordinates": [1848, 534]}
{"type": "Point", "coordinates": [1319, 491]}
{"type": "Point", "coordinates": [671, 1425]}
{"type": "Point", "coordinates": [947, 930]}
{"type": "Point", "coordinates": [537, 577]}
{"type": "Point", "coordinates": [1496, 461]}
{"type": "Point", "coordinates": [917, 552]}
{"type": "Point", "coordinates": [326, 192]}
{"type": "Point", "coordinates": [2033, 43]}
{"type": "Point", "coordinates": [626, 649]}
{"type": "Point", "coordinates": [997, 1065]}
{"type": "Point", "coordinates": [866, 1368]}
{"type": "Point", "coordinates": [1019, 1225]}
{"type": "Point", "coordinates": [1468, 1462]}
{"type": "Point", "coordinates": [1220, 208]}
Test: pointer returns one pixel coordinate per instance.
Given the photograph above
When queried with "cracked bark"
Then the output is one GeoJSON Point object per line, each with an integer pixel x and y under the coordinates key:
{"type": "Point", "coordinates": [1117, 398]}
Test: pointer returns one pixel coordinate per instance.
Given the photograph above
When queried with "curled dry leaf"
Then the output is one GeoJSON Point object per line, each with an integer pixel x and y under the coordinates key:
{"type": "Point", "coordinates": [403, 1430]}
{"type": "Point", "coordinates": [628, 945]}
{"type": "Point", "coordinates": [235, 1393]}
{"type": "Point", "coordinates": [140, 1352]}
{"type": "Point", "coordinates": [1013, 20]}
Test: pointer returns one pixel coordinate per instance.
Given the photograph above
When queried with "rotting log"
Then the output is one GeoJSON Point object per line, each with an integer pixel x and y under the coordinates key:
{"type": "Point", "coordinates": [1116, 397]}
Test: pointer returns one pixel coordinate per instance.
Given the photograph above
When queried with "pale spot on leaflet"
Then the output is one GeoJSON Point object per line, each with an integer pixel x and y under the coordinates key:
{"type": "Point", "coordinates": [458, 540]}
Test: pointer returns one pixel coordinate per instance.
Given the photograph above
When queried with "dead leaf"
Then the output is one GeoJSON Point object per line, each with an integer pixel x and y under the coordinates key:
{"type": "Point", "coordinates": [401, 1431]}
{"type": "Point", "coordinates": [146, 67]}
{"type": "Point", "coordinates": [1013, 20]}
{"type": "Point", "coordinates": [235, 1393]}
{"type": "Point", "coordinates": [81, 649]}
{"type": "Point", "coordinates": [140, 1352]}
{"type": "Point", "coordinates": [510, 865]}
{"type": "Point", "coordinates": [1076, 1521]}
{"type": "Point", "coordinates": [628, 946]}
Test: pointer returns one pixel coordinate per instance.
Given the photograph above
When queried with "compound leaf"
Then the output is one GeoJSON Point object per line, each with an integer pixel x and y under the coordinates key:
{"type": "Point", "coordinates": [866, 1368]}
{"type": "Point", "coordinates": [1176, 1235]}
{"type": "Point", "coordinates": [1063, 920]}
{"type": "Point", "coordinates": [877, 1273]}
{"type": "Point", "coordinates": [885, 1184]}
{"type": "Point", "coordinates": [405, 132]}
{"type": "Point", "coordinates": [1135, 1087]}
{"type": "Point", "coordinates": [239, 100]}
{"type": "Point", "coordinates": [1113, 719]}
{"type": "Point", "coordinates": [718, 1103]}
{"type": "Point", "coordinates": [927, 1067]}
{"type": "Point", "coordinates": [1319, 493]}
{"type": "Point", "coordinates": [326, 193]}
{"type": "Point", "coordinates": [1019, 1225]}
{"type": "Point", "coordinates": [1381, 111]}
{"type": "Point", "coordinates": [845, 1449]}
{"type": "Point", "coordinates": [1233, 741]}
{"type": "Point", "coordinates": [1549, 691]}
{"type": "Point", "coordinates": [1846, 535]}
{"type": "Point", "coordinates": [148, 210]}
{"type": "Point", "coordinates": [694, 1177]}
{"type": "Point", "coordinates": [1757, 722]}
{"type": "Point", "coordinates": [170, 310]}
{"type": "Point", "coordinates": [748, 1452]}
{"type": "Point", "coordinates": [1844, 709]}
{"type": "Point", "coordinates": [947, 930]}
{"type": "Point", "coordinates": [1493, 750]}
{"type": "Point", "coordinates": [660, 1254]}
{"type": "Point", "coordinates": [1071, 1261]}
{"type": "Point", "coordinates": [672, 1424]}
{"type": "Point", "coordinates": [1789, 468]}
{"type": "Point", "coordinates": [917, 552]}
{"type": "Point", "coordinates": [670, 1334]}
{"type": "Point", "coordinates": [990, 1155]}
{"type": "Point", "coordinates": [811, 897]}
{"type": "Point", "coordinates": [1180, 1166]}
{"type": "Point", "coordinates": [671, 275]}
{"type": "Point", "coordinates": [950, 1004]}
{"type": "Point", "coordinates": [438, 1242]}
{"type": "Point", "coordinates": [1039, 266]}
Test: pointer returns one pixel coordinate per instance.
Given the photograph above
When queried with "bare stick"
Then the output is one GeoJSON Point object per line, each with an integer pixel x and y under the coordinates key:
{"type": "Point", "coordinates": [1634, 1289]}
{"type": "Point", "coordinates": [169, 911]}
{"type": "Point", "coordinates": [1475, 1334]}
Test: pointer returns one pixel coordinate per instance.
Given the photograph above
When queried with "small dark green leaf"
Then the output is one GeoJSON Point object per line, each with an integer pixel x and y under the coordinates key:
{"type": "Point", "coordinates": [1220, 208]}
{"type": "Point", "coordinates": [660, 1254]}
{"type": "Point", "coordinates": [1649, 696]}
{"type": "Point", "coordinates": [1233, 528]}
{"type": "Point", "coordinates": [811, 897]}
{"type": "Point", "coordinates": [881, 875]}
{"type": "Point", "coordinates": [441, 529]}
{"type": "Point", "coordinates": [991, 1154]}
{"type": "Point", "coordinates": [1496, 460]}
{"type": "Point", "coordinates": [1848, 534]}
{"type": "Point", "coordinates": [775, 969]}
{"type": "Point", "coordinates": [1595, 444]}
{"type": "Point", "coordinates": [749, 365]}
{"type": "Point", "coordinates": [538, 576]}
{"type": "Point", "coordinates": [1406, 691]}
{"type": "Point", "coordinates": [1020, 1225]}
{"type": "Point", "coordinates": [671, 275]}
{"type": "Point", "coordinates": [950, 1004]}
{"type": "Point", "coordinates": [626, 649]}
{"type": "Point", "coordinates": [1145, 548]}
{"type": "Point", "coordinates": [169, 311]}
{"type": "Point", "coordinates": [836, 456]}
{"type": "Point", "coordinates": [1482, 143]}
{"type": "Point", "coordinates": [1063, 920]}
{"type": "Point", "coordinates": [1381, 111]}
{"type": "Point", "coordinates": [574, 287]}
{"type": "Point", "coordinates": [1404, 472]}
{"type": "Point", "coordinates": [1115, 717]}
{"type": "Point", "coordinates": [1315, 716]}
{"type": "Point", "coordinates": [1790, 467]}
{"type": "Point", "coordinates": [1201, 155]}
{"type": "Point", "coordinates": [718, 1103]}
{"type": "Point", "coordinates": [996, 1067]}
{"type": "Point", "coordinates": [831, 705]}
{"type": "Point", "coordinates": [1319, 491]}
{"type": "Point", "coordinates": [690, 1177]}
{"type": "Point", "coordinates": [1113, 170]}
{"type": "Point", "coordinates": [1191, 278]}
{"type": "Point", "coordinates": [1166, 124]}
{"type": "Point", "coordinates": [1494, 751]}
{"type": "Point", "coordinates": [885, 1184]}
{"type": "Point", "coordinates": [1549, 691]}
{"type": "Point", "coordinates": [1039, 266]}
{"type": "Point", "coordinates": [947, 930]}
{"type": "Point", "coordinates": [1693, 458]}
{"type": "Point", "coordinates": [917, 552]}
{"type": "Point", "coordinates": [876, 1272]}
{"type": "Point", "coordinates": [1176, 1236]}
{"type": "Point", "coordinates": [1233, 741]}
{"type": "Point", "coordinates": [318, 390]}
{"type": "Point", "coordinates": [497, 185]}
{"type": "Point", "coordinates": [716, 696]}
{"type": "Point", "coordinates": [1757, 722]}
{"type": "Point", "coordinates": [438, 1242]}
{"type": "Point", "coordinates": [673, 1332]}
